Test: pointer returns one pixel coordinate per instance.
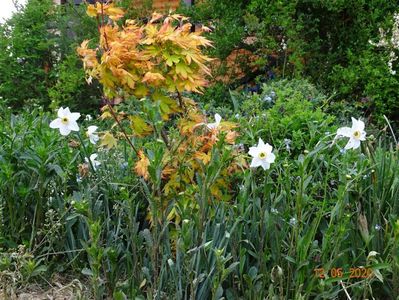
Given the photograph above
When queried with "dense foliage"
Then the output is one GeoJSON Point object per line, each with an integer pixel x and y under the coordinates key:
{"type": "Point", "coordinates": [38, 54]}
{"type": "Point", "coordinates": [327, 41]}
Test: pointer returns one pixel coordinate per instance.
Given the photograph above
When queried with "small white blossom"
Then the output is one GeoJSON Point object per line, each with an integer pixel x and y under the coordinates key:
{"type": "Point", "coordinates": [293, 221]}
{"type": "Point", "coordinates": [267, 99]}
{"type": "Point", "coordinates": [215, 125]}
{"type": "Point", "coordinates": [356, 134]}
{"type": "Point", "coordinates": [92, 135]}
{"type": "Point", "coordinates": [66, 121]}
{"type": "Point", "coordinates": [124, 165]}
{"type": "Point", "coordinates": [274, 211]}
{"type": "Point", "coordinates": [262, 155]}
{"type": "Point", "coordinates": [377, 227]}
{"type": "Point", "coordinates": [88, 118]}
{"type": "Point", "coordinates": [287, 143]}
{"type": "Point", "coordinates": [95, 163]}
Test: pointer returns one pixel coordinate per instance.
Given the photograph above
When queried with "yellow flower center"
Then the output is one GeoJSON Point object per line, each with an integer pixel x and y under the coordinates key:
{"type": "Point", "coordinates": [64, 120]}
{"type": "Point", "coordinates": [356, 134]}
{"type": "Point", "coordinates": [262, 155]}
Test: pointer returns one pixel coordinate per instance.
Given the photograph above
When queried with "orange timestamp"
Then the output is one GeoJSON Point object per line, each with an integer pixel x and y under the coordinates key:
{"type": "Point", "coordinates": [360, 272]}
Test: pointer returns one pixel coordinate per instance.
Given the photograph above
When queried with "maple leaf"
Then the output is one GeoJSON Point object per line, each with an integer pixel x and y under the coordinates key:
{"type": "Point", "coordinates": [170, 59]}
{"type": "Point", "coordinates": [140, 91]}
{"type": "Point", "coordinates": [106, 115]}
{"type": "Point", "coordinates": [183, 70]}
{"type": "Point", "coordinates": [108, 140]}
{"type": "Point", "coordinates": [89, 56]}
{"type": "Point", "coordinates": [231, 137]}
{"type": "Point", "coordinates": [154, 78]}
{"type": "Point", "coordinates": [91, 10]}
{"type": "Point", "coordinates": [141, 166]}
{"type": "Point", "coordinates": [139, 126]}
{"type": "Point", "coordinates": [114, 13]}
{"type": "Point", "coordinates": [167, 105]}
{"type": "Point", "coordinates": [155, 17]}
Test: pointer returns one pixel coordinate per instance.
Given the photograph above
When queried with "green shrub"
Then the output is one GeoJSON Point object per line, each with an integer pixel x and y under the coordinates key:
{"type": "Point", "coordinates": [38, 59]}
{"type": "Point", "coordinates": [288, 113]}
{"type": "Point", "coordinates": [326, 41]}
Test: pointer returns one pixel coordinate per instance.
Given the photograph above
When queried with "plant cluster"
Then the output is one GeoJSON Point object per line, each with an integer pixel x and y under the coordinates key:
{"type": "Point", "coordinates": [328, 42]}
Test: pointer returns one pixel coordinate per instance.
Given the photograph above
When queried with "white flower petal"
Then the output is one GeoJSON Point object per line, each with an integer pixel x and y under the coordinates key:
{"type": "Point", "coordinates": [265, 165]}
{"type": "Point", "coordinates": [270, 158]}
{"type": "Point", "coordinates": [357, 125]}
{"type": "Point", "coordinates": [218, 119]}
{"type": "Point", "coordinates": [91, 129]}
{"type": "Point", "coordinates": [351, 144]}
{"type": "Point", "coordinates": [260, 143]}
{"type": "Point", "coordinates": [256, 162]}
{"type": "Point", "coordinates": [363, 136]}
{"type": "Point", "coordinates": [60, 113]}
{"type": "Point", "coordinates": [94, 138]}
{"type": "Point", "coordinates": [64, 130]}
{"type": "Point", "coordinates": [93, 156]}
{"type": "Point", "coordinates": [253, 151]}
{"type": "Point", "coordinates": [72, 125]}
{"type": "Point", "coordinates": [267, 148]}
{"type": "Point", "coordinates": [74, 116]}
{"type": "Point", "coordinates": [344, 131]}
{"type": "Point", "coordinates": [55, 123]}
{"type": "Point", "coordinates": [67, 112]}
{"type": "Point", "coordinates": [356, 144]}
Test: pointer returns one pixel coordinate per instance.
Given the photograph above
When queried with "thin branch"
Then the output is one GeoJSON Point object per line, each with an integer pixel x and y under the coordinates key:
{"type": "Point", "coordinates": [121, 128]}
{"type": "Point", "coordinates": [181, 103]}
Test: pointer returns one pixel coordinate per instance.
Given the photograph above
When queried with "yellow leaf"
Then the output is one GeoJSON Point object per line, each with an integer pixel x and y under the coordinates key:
{"type": "Point", "coordinates": [155, 17]}
{"type": "Point", "coordinates": [91, 11]}
{"type": "Point", "coordinates": [108, 140]}
{"type": "Point", "coordinates": [139, 126]}
{"type": "Point", "coordinates": [166, 104]}
{"type": "Point", "coordinates": [140, 90]}
{"type": "Point", "coordinates": [183, 70]}
{"type": "Point", "coordinates": [216, 192]}
{"type": "Point", "coordinates": [142, 164]}
{"type": "Point", "coordinates": [204, 157]}
{"type": "Point", "coordinates": [106, 115]}
{"type": "Point", "coordinates": [114, 13]}
{"type": "Point", "coordinates": [153, 78]}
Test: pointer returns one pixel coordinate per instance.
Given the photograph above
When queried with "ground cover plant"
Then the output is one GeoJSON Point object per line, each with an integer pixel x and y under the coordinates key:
{"type": "Point", "coordinates": [164, 194]}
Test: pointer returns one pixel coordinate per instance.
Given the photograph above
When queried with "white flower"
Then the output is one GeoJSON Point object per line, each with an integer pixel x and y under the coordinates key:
{"type": "Point", "coordinates": [274, 211]}
{"type": "Point", "coordinates": [268, 99]}
{"type": "Point", "coordinates": [88, 118]}
{"type": "Point", "coordinates": [215, 125]}
{"type": "Point", "coordinates": [287, 143]}
{"type": "Point", "coordinates": [66, 121]}
{"type": "Point", "coordinates": [293, 221]}
{"type": "Point", "coordinates": [262, 155]}
{"type": "Point", "coordinates": [356, 134]}
{"type": "Point", "coordinates": [91, 134]}
{"type": "Point", "coordinates": [95, 163]}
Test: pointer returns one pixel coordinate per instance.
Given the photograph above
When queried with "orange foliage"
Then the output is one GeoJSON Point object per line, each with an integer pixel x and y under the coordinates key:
{"type": "Point", "coordinates": [236, 65]}
{"type": "Point", "coordinates": [132, 59]}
